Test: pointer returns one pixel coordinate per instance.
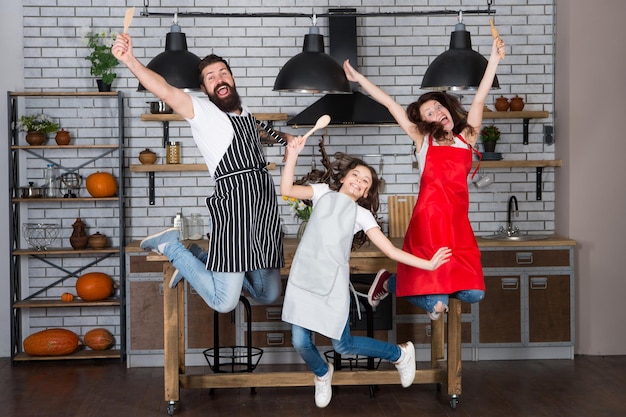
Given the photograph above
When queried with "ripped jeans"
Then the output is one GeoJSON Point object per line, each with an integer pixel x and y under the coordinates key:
{"type": "Point", "coordinates": [428, 302]}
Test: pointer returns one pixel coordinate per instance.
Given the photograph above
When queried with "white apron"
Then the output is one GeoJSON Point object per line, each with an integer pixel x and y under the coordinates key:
{"type": "Point", "coordinates": [318, 290]}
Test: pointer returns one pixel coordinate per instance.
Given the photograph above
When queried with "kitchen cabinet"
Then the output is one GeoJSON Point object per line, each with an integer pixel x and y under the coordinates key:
{"type": "Point", "coordinates": [528, 310]}
{"type": "Point", "coordinates": [39, 275]}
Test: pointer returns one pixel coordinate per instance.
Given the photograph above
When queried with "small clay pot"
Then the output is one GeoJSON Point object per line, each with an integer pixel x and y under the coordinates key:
{"type": "Point", "coordinates": [502, 104]}
{"type": "Point", "coordinates": [517, 103]}
{"type": "Point", "coordinates": [35, 138]}
{"type": "Point", "coordinates": [62, 137]}
{"type": "Point", "coordinates": [98, 241]}
{"type": "Point", "coordinates": [147, 157]}
{"type": "Point", "coordinates": [79, 238]}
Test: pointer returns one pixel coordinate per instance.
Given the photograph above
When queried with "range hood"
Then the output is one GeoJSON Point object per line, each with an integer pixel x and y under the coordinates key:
{"type": "Point", "coordinates": [344, 109]}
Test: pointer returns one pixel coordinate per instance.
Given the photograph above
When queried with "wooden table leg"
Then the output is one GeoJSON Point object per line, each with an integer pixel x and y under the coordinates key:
{"type": "Point", "coordinates": [171, 324]}
{"type": "Point", "coordinates": [454, 347]}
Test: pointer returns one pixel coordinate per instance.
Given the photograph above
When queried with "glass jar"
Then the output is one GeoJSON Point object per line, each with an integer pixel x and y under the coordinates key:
{"type": "Point", "coordinates": [196, 227]}
{"type": "Point", "coordinates": [173, 153]}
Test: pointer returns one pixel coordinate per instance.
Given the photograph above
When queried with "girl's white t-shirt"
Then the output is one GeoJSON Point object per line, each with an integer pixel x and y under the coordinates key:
{"type": "Point", "coordinates": [364, 218]}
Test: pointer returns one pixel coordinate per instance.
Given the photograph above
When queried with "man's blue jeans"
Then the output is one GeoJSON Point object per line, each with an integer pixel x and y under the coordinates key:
{"type": "Point", "coordinates": [221, 290]}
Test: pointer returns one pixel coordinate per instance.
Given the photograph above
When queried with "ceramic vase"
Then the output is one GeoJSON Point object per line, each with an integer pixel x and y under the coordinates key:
{"type": "Point", "coordinates": [35, 138]}
{"type": "Point", "coordinates": [79, 237]}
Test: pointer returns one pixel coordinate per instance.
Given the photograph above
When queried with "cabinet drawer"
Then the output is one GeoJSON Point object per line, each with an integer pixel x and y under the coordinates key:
{"type": "Point", "coordinates": [525, 258]}
{"type": "Point", "coordinates": [266, 313]}
{"type": "Point", "coordinates": [420, 333]}
{"type": "Point", "coordinates": [270, 338]}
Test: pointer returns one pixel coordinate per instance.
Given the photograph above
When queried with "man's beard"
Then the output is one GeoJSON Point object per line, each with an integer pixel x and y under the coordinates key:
{"type": "Point", "coordinates": [228, 104]}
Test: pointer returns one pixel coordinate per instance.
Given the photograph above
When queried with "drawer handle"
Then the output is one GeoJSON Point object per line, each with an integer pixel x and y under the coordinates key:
{"type": "Point", "coordinates": [524, 258]}
{"type": "Point", "coordinates": [510, 283]}
{"type": "Point", "coordinates": [274, 339]}
{"type": "Point", "coordinates": [539, 283]}
{"type": "Point", "coordinates": [160, 289]}
{"type": "Point", "coordinates": [273, 313]}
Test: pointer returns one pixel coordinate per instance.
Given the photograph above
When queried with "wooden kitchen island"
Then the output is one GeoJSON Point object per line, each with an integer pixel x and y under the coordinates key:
{"type": "Point", "coordinates": [444, 369]}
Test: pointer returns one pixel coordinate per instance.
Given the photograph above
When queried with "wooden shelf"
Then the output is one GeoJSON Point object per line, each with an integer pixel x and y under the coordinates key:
{"type": "Point", "coordinates": [63, 146]}
{"type": "Point", "coordinates": [149, 117]}
{"type": "Point", "coordinates": [65, 251]}
{"type": "Point", "coordinates": [45, 303]}
{"type": "Point", "coordinates": [519, 164]}
{"type": "Point", "coordinates": [515, 114]}
{"type": "Point", "coordinates": [81, 354]}
{"type": "Point", "coordinates": [168, 167]}
{"type": "Point", "coordinates": [62, 94]}
{"type": "Point", "coordinates": [47, 199]}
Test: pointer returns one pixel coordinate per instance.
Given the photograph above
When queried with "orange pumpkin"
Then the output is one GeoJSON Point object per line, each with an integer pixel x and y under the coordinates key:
{"type": "Point", "coordinates": [101, 184]}
{"type": "Point", "coordinates": [99, 339]}
{"type": "Point", "coordinates": [51, 342]}
{"type": "Point", "coordinates": [67, 297]}
{"type": "Point", "coordinates": [94, 286]}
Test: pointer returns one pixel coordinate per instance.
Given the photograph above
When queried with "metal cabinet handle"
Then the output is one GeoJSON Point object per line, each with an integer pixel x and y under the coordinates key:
{"type": "Point", "coordinates": [538, 283]}
{"type": "Point", "coordinates": [273, 313]}
{"type": "Point", "coordinates": [524, 258]}
{"type": "Point", "coordinates": [510, 283]}
{"type": "Point", "coordinates": [275, 339]}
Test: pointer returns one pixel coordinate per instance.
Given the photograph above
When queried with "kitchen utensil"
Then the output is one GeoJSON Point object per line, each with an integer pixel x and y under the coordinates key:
{"type": "Point", "coordinates": [495, 34]}
{"type": "Point", "coordinates": [321, 123]}
{"type": "Point", "coordinates": [72, 182]}
{"type": "Point", "coordinates": [31, 191]}
{"type": "Point", "coordinates": [128, 18]}
{"type": "Point", "coordinates": [159, 107]}
{"type": "Point", "coordinates": [40, 235]}
{"type": "Point", "coordinates": [381, 180]}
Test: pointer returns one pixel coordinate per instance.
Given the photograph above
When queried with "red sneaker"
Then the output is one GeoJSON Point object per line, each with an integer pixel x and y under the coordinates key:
{"type": "Point", "coordinates": [377, 291]}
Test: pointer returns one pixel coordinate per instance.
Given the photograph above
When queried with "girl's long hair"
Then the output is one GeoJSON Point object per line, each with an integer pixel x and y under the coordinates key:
{"type": "Point", "coordinates": [459, 115]}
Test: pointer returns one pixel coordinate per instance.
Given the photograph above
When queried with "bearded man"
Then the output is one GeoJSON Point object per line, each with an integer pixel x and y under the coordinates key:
{"type": "Point", "coordinates": [245, 248]}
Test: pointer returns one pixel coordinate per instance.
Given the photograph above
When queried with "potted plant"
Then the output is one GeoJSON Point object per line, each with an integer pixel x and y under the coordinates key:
{"type": "Point", "coordinates": [37, 127]}
{"type": "Point", "coordinates": [101, 57]}
{"type": "Point", "coordinates": [489, 135]}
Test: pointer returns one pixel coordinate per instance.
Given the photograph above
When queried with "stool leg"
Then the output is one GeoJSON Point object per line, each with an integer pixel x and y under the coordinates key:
{"type": "Point", "coordinates": [454, 348]}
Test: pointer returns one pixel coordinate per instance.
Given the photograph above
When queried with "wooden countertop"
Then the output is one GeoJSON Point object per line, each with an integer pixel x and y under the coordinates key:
{"type": "Point", "coordinates": [369, 259]}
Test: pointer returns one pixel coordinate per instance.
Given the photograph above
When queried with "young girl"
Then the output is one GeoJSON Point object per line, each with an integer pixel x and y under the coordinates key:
{"type": "Point", "coordinates": [317, 297]}
{"type": "Point", "coordinates": [444, 142]}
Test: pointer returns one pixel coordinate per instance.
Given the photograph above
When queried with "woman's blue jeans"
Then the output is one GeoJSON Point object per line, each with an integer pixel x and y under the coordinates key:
{"type": "Point", "coordinates": [221, 290]}
{"type": "Point", "coordinates": [302, 340]}
{"type": "Point", "coordinates": [428, 302]}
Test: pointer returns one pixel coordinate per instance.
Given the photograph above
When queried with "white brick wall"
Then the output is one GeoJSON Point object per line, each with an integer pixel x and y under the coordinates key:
{"type": "Point", "coordinates": [393, 51]}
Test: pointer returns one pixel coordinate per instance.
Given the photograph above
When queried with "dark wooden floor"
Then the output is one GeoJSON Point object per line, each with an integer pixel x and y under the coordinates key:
{"type": "Point", "coordinates": [589, 386]}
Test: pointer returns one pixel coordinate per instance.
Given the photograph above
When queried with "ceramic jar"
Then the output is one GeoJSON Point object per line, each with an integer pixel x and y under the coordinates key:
{"type": "Point", "coordinates": [147, 157]}
{"type": "Point", "coordinates": [517, 103]}
{"type": "Point", "coordinates": [98, 241]}
{"type": "Point", "coordinates": [502, 104]}
{"type": "Point", "coordinates": [62, 137]}
{"type": "Point", "coordinates": [79, 238]}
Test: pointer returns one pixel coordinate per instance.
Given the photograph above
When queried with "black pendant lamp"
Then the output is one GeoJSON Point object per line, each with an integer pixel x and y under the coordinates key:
{"type": "Point", "coordinates": [312, 70]}
{"type": "Point", "coordinates": [458, 68]}
{"type": "Point", "coordinates": [176, 64]}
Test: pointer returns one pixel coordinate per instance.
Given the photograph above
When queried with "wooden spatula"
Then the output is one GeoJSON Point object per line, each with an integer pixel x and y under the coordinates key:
{"type": "Point", "coordinates": [128, 18]}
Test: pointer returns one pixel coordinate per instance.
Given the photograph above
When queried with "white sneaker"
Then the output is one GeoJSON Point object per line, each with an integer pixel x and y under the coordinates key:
{"type": "Point", "coordinates": [406, 364]}
{"type": "Point", "coordinates": [324, 388]}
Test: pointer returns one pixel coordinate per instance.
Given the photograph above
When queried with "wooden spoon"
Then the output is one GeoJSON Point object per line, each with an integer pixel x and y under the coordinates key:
{"type": "Point", "coordinates": [321, 123]}
{"type": "Point", "coordinates": [128, 18]}
{"type": "Point", "coordinates": [495, 34]}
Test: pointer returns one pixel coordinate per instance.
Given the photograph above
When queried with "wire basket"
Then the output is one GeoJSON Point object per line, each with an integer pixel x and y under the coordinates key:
{"type": "Point", "coordinates": [41, 235]}
{"type": "Point", "coordinates": [233, 358]}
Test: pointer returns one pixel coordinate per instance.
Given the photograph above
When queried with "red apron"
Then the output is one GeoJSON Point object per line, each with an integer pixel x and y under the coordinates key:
{"type": "Point", "coordinates": [440, 218]}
